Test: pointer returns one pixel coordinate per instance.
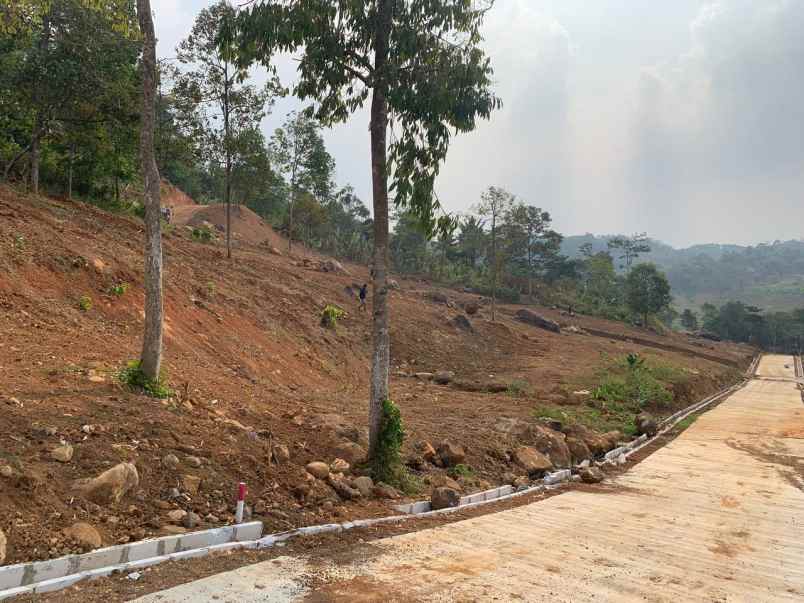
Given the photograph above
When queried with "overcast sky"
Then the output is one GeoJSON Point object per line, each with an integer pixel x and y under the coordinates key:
{"type": "Point", "coordinates": [682, 118]}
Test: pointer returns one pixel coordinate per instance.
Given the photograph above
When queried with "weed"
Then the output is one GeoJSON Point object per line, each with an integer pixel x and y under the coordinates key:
{"type": "Point", "coordinates": [518, 389]}
{"type": "Point", "coordinates": [387, 463]}
{"type": "Point", "coordinates": [331, 315]}
{"type": "Point", "coordinates": [202, 234]}
{"type": "Point", "coordinates": [19, 243]}
{"type": "Point", "coordinates": [85, 303]}
{"type": "Point", "coordinates": [133, 377]}
{"type": "Point", "coordinates": [685, 422]}
{"type": "Point", "coordinates": [119, 289]}
{"type": "Point", "coordinates": [461, 470]}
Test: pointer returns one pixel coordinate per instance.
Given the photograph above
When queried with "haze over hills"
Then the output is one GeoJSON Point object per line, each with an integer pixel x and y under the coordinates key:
{"type": "Point", "coordinates": [768, 275]}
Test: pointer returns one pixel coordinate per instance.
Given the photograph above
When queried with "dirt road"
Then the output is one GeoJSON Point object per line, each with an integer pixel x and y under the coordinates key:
{"type": "Point", "coordinates": [716, 515]}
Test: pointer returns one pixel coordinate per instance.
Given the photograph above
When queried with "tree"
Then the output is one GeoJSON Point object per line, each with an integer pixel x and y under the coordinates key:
{"type": "Point", "coordinates": [647, 291]}
{"type": "Point", "coordinates": [630, 247]}
{"type": "Point", "coordinates": [215, 89]}
{"type": "Point", "coordinates": [532, 244]}
{"type": "Point", "coordinates": [422, 64]}
{"type": "Point", "coordinates": [151, 357]}
{"type": "Point", "coordinates": [494, 205]}
{"type": "Point", "coordinates": [471, 240]}
{"type": "Point", "coordinates": [689, 320]}
{"type": "Point", "coordinates": [299, 154]}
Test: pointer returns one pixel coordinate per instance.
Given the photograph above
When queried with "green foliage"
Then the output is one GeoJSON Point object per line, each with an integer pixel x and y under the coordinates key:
{"type": "Point", "coordinates": [202, 234]}
{"type": "Point", "coordinates": [461, 470]}
{"type": "Point", "coordinates": [773, 331]}
{"type": "Point", "coordinates": [647, 291]}
{"type": "Point", "coordinates": [119, 289]}
{"type": "Point", "coordinates": [85, 303]}
{"type": "Point", "coordinates": [630, 248]}
{"type": "Point", "coordinates": [638, 387]}
{"type": "Point", "coordinates": [132, 376]}
{"type": "Point", "coordinates": [331, 315]}
{"type": "Point", "coordinates": [519, 389]}
{"type": "Point", "coordinates": [685, 423]}
{"type": "Point", "coordinates": [387, 462]}
{"type": "Point", "coordinates": [689, 320]}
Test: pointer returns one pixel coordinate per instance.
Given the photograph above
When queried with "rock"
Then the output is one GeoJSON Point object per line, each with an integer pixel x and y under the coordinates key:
{"type": "Point", "coordinates": [646, 424]}
{"type": "Point", "coordinates": [193, 461]}
{"type": "Point", "coordinates": [62, 454]}
{"type": "Point", "coordinates": [111, 485]}
{"type": "Point", "coordinates": [471, 308]}
{"type": "Point", "coordinates": [318, 469]}
{"type": "Point", "coordinates": [170, 461]}
{"type": "Point", "coordinates": [191, 520]}
{"type": "Point", "coordinates": [596, 443]}
{"type": "Point", "coordinates": [3, 546]}
{"type": "Point", "coordinates": [382, 490]}
{"type": "Point", "coordinates": [537, 320]}
{"type": "Point", "coordinates": [427, 451]}
{"type": "Point", "coordinates": [211, 518]}
{"type": "Point", "coordinates": [414, 461]}
{"type": "Point", "coordinates": [578, 449]}
{"type": "Point", "coordinates": [532, 461]}
{"type": "Point", "coordinates": [6, 471]}
{"type": "Point", "coordinates": [451, 454]}
{"type": "Point", "coordinates": [333, 266]}
{"type": "Point", "coordinates": [274, 251]}
{"type": "Point", "coordinates": [462, 323]}
{"type": "Point", "coordinates": [339, 466]}
{"type": "Point", "coordinates": [350, 452]}
{"type": "Point", "coordinates": [423, 376]}
{"type": "Point", "coordinates": [173, 493]}
{"type": "Point", "coordinates": [591, 475]}
{"type": "Point", "coordinates": [521, 482]}
{"type": "Point", "coordinates": [176, 515]}
{"type": "Point", "coordinates": [443, 377]}
{"type": "Point", "coordinates": [173, 530]}
{"type": "Point", "coordinates": [280, 454]}
{"type": "Point", "coordinates": [364, 484]}
{"type": "Point", "coordinates": [441, 480]}
{"type": "Point", "coordinates": [612, 439]}
{"type": "Point", "coordinates": [392, 284]}
{"type": "Point", "coordinates": [435, 296]}
{"type": "Point", "coordinates": [550, 443]}
{"type": "Point", "coordinates": [444, 498]}
{"type": "Point", "coordinates": [344, 490]}
{"type": "Point", "coordinates": [191, 484]}
{"type": "Point", "coordinates": [84, 534]}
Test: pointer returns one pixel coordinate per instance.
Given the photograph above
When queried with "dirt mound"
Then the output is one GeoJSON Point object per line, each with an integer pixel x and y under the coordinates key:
{"type": "Point", "coordinates": [172, 196]}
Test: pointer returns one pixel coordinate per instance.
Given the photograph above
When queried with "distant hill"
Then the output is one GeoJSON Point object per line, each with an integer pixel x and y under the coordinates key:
{"type": "Point", "coordinates": [770, 276]}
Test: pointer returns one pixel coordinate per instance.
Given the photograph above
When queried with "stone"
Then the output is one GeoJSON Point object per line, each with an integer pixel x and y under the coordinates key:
{"type": "Point", "coordinates": [427, 451]}
{"type": "Point", "coordinates": [471, 308]}
{"type": "Point", "coordinates": [646, 424]}
{"type": "Point", "coordinates": [550, 443]}
{"type": "Point", "coordinates": [318, 469]}
{"type": "Point", "coordinates": [441, 480]}
{"type": "Point", "coordinates": [3, 546]}
{"type": "Point", "coordinates": [170, 530]}
{"type": "Point", "coordinates": [435, 296]}
{"type": "Point", "coordinates": [444, 498]}
{"type": "Point", "coordinates": [84, 534]}
{"type": "Point", "coordinates": [462, 323]}
{"type": "Point", "coordinates": [451, 454]}
{"type": "Point", "coordinates": [6, 471]}
{"type": "Point", "coordinates": [191, 520]}
{"type": "Point", "coordinates": [423, 376]}
{"type": "Point", "coordinates": [443, 377]}
{"type": "Point", "coordinates": [596, 443]}
{"type": "Point", "coordinates": [170, 461]}
{"type": "Point", "coordinates": [62, 453]}
{"type": "Point", "coordinates": [578, 449]}
{"type": "Point", "coordinates": [333, 266]}
{"type": "Point", "coordinates": [532, 461]}
{"type": "Point", "coordinates": [364, 484]}
{"type": "Point", "coordinates": [591, 475]}
{"type": "Point", "coordinates": [351, 452]}
{"type": "Point", "coordinates": [612, 438]}
{"type": "Point", "coordinates": [537, 320]}
{"type": "Point", "coordinates": [392, 284]}
{"type": "Point", "coordinates": [193, 461]}
{"type": "Point", "coordinates": [382, 490]}
{"type": "Point", "coordinates": [344, 490]}
{"type": "Point", "coordinates": [521, 482]}
{"type": "Point", "coordinates": [280, 454]}
{"type": "Point", "coordinates": [191, 484]}
{"type": "Point", "coordinates": [339, 466]}
{"type": "Point", "coordinates": [111, 485]}
{"type": "Point", "coordinates": [176, 515]}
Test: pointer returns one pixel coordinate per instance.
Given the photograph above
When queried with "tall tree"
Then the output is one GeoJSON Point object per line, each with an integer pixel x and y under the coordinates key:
{"type": "Point", "coordinates": [299, 154]}
{"type": "Point", "coordinates": [151, 357]}
{"type": "Point", "coordinates": [214, 85]}
{"type": "Point", "coordinates": [689, 320]}
{"type": "Point", "coordinates": [494, 205]}
{"type": "Point", "coordinates": [647, 291]}
{"type": "Point", "coordinates": [422, 64]}
{"type": "Point", "coordinates": [630, 247]}
{"type": "Point", "coordinates": [532, 243]}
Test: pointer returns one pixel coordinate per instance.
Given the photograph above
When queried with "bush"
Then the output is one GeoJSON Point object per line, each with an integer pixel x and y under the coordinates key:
{"type": "Point", "coordinates": [202, 234]}
{"type": "Point", "coordinates": [461, 470]}
{"type": "Point", "coordinates": [518, 389]}
{"type": "Point", "coordinates": [331, 315]}
{"type": "Point", "coordinates": [133, 377]}
{"type": "Point", "coordinates": [386, 465]}
{"type": "Point", "coordinates": [119, 289]}
{"type": "Point", "coordinates": [639, 386]}
{"type": "Point", "coordinates": [85, 303]}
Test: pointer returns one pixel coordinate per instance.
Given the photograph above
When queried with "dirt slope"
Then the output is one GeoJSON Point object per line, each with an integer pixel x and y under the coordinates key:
{"type": "Point", "coordinates": [252, 368]}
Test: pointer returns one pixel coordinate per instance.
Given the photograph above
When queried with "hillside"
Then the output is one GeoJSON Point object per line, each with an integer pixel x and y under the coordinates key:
{"type": "Point", "coordinates": [261, 387]}
{"type": "Point", "coordinates": [770, 276]}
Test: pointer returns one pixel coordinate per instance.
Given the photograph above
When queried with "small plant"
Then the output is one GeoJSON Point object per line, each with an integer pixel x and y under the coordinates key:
{"type": "Point", "coordinates": [133, 377]}
{"type": "Point", "coordinates": [387, 463]}
{"type": "Point", "coordinates": [331, 315]}
{"type": "Point", "coordinates": [686, 422]}
{"type": "Point", "coordinates": [85, 303]}
{"type": "Point", "coordinates": [119, 289]}
{"type": "Point", "coordinates": [211, 289]}
{"type": "Point", "coordinates": [635, 362]}
{"type": "Point", "coordinates": [461, 470]}
{"type": "Point", "coordinates": [202, 234]}
{"type": "Point", "coordinates": [19, 243]}
{"type": "Point", "coordinates": [518, 389]}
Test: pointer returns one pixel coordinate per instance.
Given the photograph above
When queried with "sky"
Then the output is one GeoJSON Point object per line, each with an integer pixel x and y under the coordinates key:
{"type": "Point", "coordinates": [683, 119]}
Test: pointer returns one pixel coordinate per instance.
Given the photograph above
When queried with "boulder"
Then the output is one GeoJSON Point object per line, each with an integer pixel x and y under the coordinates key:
{"type": "Point", "coordinates": [443, 377]}
{"type": "Point", "coordinates": [351, 452]}
{"type": "Point", "coordinates": [423, 376]}
{"type": "Point", "coordinates": [521, 482]}
{"type": "Point", "coordinates": [578, 449]}
{"type": "Point", "coordinates": [3, 546]}
{"type": "Point", "coordinates": [191, 484]}
{"type": "Point", "coordinates": [191, 520]}
{"type": "Point", "coordinates": [344, 490]}
{"type": "Point", "coordinates": [613, 439]}
{"type": "Point", "coordinates": [111, 485]}
{"type": "Point", "coordinates": [441, 480]}
{"type": "Point", "coordinates": [393, 285]}
{"type": "Point", "coordinates": [646, 424]}
{"type": "Point", "coordinates": [176, 515]}
{"type": "Point", "coordinates": [444, 498]}
{"type": "Point", "coordinates": [333, 266]}
{"type": "Point", "coordinates": [170, 461]}
{"type": "Point", "coordinates": [318, 469]}
{"type": "Point", "coordinates": [339, 466]}
{"type": "Point", "coordinates": [591, 475]}
{"type": "Point", "coordinates": [462, 323]}
{"type": "Point", "coordinates": [532, 461]}
{"type": "Point", "coordinates": [550, 443]}
{"type": "Point", "coordinates": [62, 453]}
{"type": "Point", "coordinates": [364, 484]}
{"type": "Point", "coordinates": [337, 425]}
{"type": "Point", "coordinates": [537, 320]}
{"type": "Point", "coordinates": [451, 454]}
{"type": "Point", "coordinates": [84, 534]}
{"type": "Point", "coordinates": [382, 490]}
{"type": "Point", "coordinates": [596, 443]}
{"type": "Point", "coordinates": [427, 451]}
{"type": "Point", "coordinates": [435, 296]}
{"type": "Point", "coordinates": [280, 454]}
{"type": "Point", "coordinates": [6, 471]}
{"type": "Point", "coordinates": [471, 308]}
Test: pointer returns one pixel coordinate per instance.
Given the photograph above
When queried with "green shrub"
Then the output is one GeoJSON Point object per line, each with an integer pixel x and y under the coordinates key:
{"type": "Point", "coordinates": [85, 303]}
{"type": "Point", "coordinates": [386, 465]}
{"type": "Point", "coordinates": [638, 387]}
{"type": "Point", "coordinates": [119, 289]}
{"type": "Point", "coordinates": [518, 389]}
{"type": "Point", "coordinates": [133, 377]}
{"type": "Point", "coordinates": [202, 234]}
{"type": "Point", "coordinates": [461, 470]}
{"type": "Point", "coordinates": [331, 315]}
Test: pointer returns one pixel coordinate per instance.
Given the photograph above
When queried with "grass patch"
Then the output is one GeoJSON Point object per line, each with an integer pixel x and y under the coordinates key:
{"type": "Point", "coordinates": [519, 389]}
{"type": "Point", "coordinates": [85, 303]}
{"type": "Point", "coordinates": [202, 234]}
{"type": "Point", "coordinates": [685, 422]}
{"type": "Point", "coordinates": [461, 470]}
{"type": "Point", "coordinates": [133, 377]}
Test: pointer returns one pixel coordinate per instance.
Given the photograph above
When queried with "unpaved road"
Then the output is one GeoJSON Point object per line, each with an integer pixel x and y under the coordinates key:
{"type": "Point", "coordinates": [716, 515]}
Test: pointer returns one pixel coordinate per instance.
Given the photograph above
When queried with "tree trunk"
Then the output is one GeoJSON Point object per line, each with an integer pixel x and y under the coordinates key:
{"type": "Point", "coordinates": [70, 173]}
{"type": "Point", "coordinates": [494, 268]}
{"type": "Point", "coordinates": [227, 143]}
{"type": "Point", "coordinates": [151, 357]}
{"type": "Point", "coordinates": [38, 118]}
{"type": "Point", "coordinates": [381, 341]}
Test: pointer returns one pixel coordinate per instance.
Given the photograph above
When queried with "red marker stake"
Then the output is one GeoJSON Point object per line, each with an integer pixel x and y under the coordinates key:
{"type": "Point", "coordinates": [241, 501]}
